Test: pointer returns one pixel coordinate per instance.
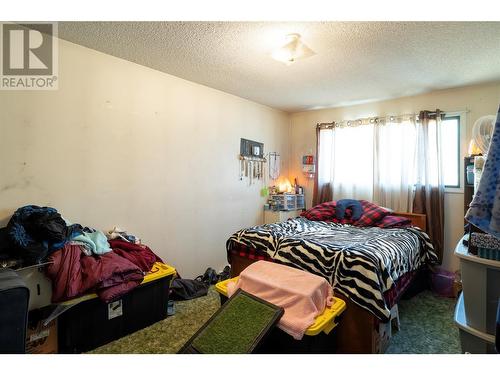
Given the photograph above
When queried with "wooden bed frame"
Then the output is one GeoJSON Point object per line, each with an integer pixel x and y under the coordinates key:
{"type": "Point", "coordinates": [417, 220]}
{"type": "Point", "coordinates": [359, 331]}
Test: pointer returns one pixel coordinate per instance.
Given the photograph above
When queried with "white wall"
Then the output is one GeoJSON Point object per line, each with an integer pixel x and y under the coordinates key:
{"type": "Point", "coordinates": [478, 100]}
{"type": "Point", "coordinates": [121, 144]}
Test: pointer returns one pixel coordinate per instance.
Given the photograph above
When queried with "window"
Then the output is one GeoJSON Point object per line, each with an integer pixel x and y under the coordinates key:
{"type": "Point", "coordinates": [450, 147]}
{"type": "Point", "coordinates": [384, 162]}
{"type": "Point", "coordinates": [372, 162]}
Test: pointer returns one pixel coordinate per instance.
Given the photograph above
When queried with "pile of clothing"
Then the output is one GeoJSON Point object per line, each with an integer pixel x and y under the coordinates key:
{"type": "Point", "coordinates": [81, 259]}
{"type": "Point", "coordinates": [34, 232]}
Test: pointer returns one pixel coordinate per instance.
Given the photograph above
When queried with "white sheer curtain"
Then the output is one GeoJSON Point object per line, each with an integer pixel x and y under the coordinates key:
{"type": "Point", "coordinates": [394, 163]}
{"type": "Point", "coordinates": [429, 153]}
{"type": "Point", "coordinates": [374, 161]}
{"type": "Point", "coordinates": [346, 161]}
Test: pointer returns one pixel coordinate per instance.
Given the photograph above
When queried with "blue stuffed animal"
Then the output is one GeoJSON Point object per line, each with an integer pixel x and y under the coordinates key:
{"type": "Point", "coordinates": [354, 205]}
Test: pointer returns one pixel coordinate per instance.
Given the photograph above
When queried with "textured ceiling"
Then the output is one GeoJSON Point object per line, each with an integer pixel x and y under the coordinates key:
{"type": "Point", "coordinates": [355, 62]}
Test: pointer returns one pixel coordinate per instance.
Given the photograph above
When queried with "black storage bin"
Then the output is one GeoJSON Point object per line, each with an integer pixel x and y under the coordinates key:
{"type": "Point", "coordinates": [14, 299]}
{"type": "Point", "coordinates": [92, 323]}
{"type": "Point", "coordinates": [280, 342]}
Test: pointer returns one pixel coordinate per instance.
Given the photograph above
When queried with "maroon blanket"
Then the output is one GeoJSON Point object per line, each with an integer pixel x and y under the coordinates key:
{"type": "Point", "coordinates": [141, 255]}
{"type": "Point", "coordinates": [74, 274]}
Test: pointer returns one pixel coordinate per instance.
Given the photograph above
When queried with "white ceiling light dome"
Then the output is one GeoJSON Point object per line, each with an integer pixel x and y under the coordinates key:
{"type": "Point", "coordinates": [293, 50]}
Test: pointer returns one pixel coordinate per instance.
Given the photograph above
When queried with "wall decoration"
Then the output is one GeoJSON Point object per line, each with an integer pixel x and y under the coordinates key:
{"type": "Point", "coordinates": [308, 165]}
{"type": "Point", "coordinates": [251, 148]}
{"type": "Point", "coordinates": [274, 165]}
{"type": "Point", "coordinates": [252, 160]}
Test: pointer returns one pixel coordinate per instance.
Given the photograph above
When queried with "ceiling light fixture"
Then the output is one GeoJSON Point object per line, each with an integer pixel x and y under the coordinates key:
{"type": "Point", "coordinates": [293, 50]}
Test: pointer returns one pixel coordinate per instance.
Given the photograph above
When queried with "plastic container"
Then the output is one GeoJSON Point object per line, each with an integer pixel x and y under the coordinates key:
{"type": "Point", "coordinates": [481, 289]}
{"type": "Point", "coordinates": [472, 340]}
{"type": "Point", "coordinates": [442, 283]}
{"type": "Point", "coordinates": [288, 202]}
{"type": "Point", "coordinates": [319, 338]}
{"type": "Point", "coordinates": [486, 245]}
{"type": "Point", "coordinates": [91, 323]}
{"type": "Point", "coordinates": [158, 271]}
{"type": "Point", "coordinates": [470, 174]}
{"type": "Point", "coordinates": [323, 323]}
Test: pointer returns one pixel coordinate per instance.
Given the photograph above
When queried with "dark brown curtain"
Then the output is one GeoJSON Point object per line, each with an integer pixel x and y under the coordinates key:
{"type": "Point", "coordinates": [323, 193]}
{"type": "Point", "coordinates": [429, 195]}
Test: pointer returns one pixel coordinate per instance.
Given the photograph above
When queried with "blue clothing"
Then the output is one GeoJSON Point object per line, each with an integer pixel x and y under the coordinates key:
{"type": "Point", "coordinates": [95, 241]}
{"type": "Point", "coordinates": [37, 231]}
{"type": "Point", "coordinates": [484, 211]}
{"type": "Point", "coordinates": [354, 205]}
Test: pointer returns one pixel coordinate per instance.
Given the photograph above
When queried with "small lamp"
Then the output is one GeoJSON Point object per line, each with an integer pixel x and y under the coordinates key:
{"type": "Point", "coordinates": [284, 185]}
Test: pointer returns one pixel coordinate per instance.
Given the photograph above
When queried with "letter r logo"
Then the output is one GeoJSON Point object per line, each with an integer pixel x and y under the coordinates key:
{"type": "Point", "coordinates": [27, 49]}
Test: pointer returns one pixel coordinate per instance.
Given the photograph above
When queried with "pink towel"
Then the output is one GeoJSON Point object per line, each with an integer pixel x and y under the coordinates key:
{"type": "Point", "coordinates": [303, 295]}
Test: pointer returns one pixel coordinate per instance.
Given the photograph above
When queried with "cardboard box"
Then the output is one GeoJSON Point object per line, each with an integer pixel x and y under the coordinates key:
{"type": "Point", "coordinates": [41, 339]}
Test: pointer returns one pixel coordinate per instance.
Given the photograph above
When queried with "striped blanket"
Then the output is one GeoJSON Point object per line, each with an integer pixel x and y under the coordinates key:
{"type": "Point", "coordinates": [360, 262]}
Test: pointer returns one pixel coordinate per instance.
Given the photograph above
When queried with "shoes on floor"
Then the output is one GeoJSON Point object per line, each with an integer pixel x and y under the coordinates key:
{"type": "Point", "coordinates": [209, 277]}
{"type": "Point", "coordinates": [225, 274]}
{"type": "Point", "coordinates": [170, 308]}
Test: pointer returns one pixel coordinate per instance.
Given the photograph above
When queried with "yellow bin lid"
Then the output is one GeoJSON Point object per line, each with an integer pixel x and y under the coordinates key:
{"type": "Point", "coordinates": [323, 323]}
{"type": "Point", "coordinates": [158, 271]}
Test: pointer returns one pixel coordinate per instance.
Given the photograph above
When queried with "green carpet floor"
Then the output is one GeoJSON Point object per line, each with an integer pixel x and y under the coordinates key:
{"type": "Point", "coordinates": [167, 336]}
{"type": "Point", "coordinates": [426, 327]}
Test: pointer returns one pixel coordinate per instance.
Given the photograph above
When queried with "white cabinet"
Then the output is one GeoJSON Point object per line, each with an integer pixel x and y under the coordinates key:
{"type": "Point", "coordinates": [278, 216]}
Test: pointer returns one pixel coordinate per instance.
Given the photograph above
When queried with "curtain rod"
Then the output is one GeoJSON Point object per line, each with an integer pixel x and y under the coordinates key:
{"type": "Point", "coordinates": [373, 119]}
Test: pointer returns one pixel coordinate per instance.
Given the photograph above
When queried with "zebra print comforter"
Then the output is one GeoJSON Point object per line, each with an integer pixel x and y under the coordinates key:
{"type": "Point", "coordinates": [360, 262]}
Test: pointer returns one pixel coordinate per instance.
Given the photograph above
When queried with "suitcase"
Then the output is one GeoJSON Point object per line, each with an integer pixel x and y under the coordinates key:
{"type": "Point", "coordinates": [14, 299]}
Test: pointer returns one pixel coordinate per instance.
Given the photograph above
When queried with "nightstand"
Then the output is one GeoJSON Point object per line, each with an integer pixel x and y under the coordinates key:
{"type": "Point", "coordinates": [279, 216]}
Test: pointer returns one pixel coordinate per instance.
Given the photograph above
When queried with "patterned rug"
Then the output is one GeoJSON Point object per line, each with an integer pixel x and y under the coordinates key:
{"type": "Point", "coordinates": [426, 327]}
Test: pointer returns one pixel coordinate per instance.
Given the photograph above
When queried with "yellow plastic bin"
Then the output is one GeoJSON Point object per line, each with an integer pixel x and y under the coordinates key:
{"type": "Point", "coordinates": [318, 338]}
{"type": "Point", "coordinates": [88, 322]}
{"type": "Point", "coordinates": [158, 271]}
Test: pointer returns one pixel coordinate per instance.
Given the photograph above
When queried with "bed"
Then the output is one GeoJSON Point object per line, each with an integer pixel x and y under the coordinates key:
{"type": "Point", "coordinates": [369, 267]}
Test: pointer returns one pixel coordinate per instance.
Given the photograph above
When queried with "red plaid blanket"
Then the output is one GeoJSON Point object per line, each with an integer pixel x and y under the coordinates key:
{"type": "Point", "coordinates": [372, 215]}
